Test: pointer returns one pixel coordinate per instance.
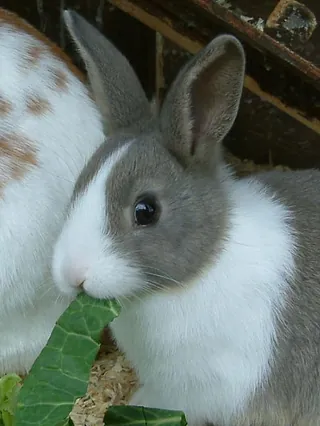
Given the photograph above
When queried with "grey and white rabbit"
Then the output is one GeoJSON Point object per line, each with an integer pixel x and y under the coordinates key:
{"type": "Point", "coordinates": [218, 277]}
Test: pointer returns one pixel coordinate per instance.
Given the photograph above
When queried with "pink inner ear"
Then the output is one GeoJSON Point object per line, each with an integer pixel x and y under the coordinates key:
{"type": "Point", "coordinates": [215, 94]}
{"type": "Point", "coordinates": [201, 101]}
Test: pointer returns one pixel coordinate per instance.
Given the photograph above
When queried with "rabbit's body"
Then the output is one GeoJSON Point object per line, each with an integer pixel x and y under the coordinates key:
{"type": "Point", "coordinates": [49, 127]}
{"type": "Point", "coordinates": [202, 342]}
{"type": "Point", "coordinates": [218, 277]}
{"type": "Point", "coordinates": [179, 344]}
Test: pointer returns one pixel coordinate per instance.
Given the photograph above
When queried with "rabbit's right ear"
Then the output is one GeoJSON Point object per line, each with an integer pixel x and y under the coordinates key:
{"type": "Point", "coordinates": [116, 88]}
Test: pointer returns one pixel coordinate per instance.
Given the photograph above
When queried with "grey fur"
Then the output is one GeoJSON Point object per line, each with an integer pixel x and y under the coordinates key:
{"type": "Point", "coordinates": [111, 71]}
{"type": "Point", "coordinates": [182, 164]}
{"type": "Point", "coordinates": [294, 387]}
{"type": "Point", "coordinates": [181, 243]}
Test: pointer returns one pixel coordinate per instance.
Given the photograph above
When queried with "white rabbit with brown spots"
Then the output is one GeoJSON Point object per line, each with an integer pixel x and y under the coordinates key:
{"type": "Point", "coordinates": [49, 127]}
{"type": "Point", "coordinates": [218, 276]}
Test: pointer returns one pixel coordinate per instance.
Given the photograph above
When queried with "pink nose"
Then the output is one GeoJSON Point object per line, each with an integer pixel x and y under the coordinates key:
{"type": "Point", "coordinates": [75, 275]}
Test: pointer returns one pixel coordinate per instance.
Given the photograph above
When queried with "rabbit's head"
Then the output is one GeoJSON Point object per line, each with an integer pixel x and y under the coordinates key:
{"type": "Point", "coordinates": [149, 210]}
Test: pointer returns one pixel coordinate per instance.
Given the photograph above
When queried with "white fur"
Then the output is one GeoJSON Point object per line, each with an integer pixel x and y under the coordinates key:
{"type": "Point", "coordinates": [84, 250]}
{"type": "Point", "coordinates": [32, 210]}
{"type": "Point", "coordinates": [206, 348]}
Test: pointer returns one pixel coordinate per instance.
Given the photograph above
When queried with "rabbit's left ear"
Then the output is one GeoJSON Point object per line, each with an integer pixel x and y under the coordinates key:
{"type": "Point", "coordinates": [116, 88]}
{"type": "Point", "coordinates": [203, 102]}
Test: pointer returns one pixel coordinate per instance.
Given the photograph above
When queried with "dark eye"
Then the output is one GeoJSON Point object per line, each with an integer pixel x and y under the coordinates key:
{"type": "Point", "coordinates": [146, 211]}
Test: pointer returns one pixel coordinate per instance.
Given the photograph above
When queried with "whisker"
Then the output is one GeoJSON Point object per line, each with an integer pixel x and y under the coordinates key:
{"type": "Point", "coordinates": [46, 292]}
{"type": "Point", "coordinates": [119, 301]}
{"type": "Point", "coordinates": [156, 287]}
{"type": "Point", "coordinates": [61, 177]}
{"type": "Point", "coordinates": [164, 277]}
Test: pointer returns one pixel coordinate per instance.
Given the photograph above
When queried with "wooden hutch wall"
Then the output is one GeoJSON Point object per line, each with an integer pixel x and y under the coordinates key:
{"type": "Point", "coordinates": [262, 132]}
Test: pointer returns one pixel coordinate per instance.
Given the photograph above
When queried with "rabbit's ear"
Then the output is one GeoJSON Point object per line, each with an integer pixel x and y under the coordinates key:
{"type": "Point", "coordinates": [116, 88]}
{"type": "Point", "coordinates": [203, 102]}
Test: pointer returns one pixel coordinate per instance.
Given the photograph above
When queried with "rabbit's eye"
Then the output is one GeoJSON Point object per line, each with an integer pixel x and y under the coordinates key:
{"type": "Point", "coordinates": [146, 211]}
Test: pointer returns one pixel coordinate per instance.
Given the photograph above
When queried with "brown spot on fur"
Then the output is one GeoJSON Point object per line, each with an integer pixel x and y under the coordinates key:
{"type": "Point", "coordinates": [60, 79]}
{"type": "Point", "coordinates": [17, 156]}
{"type": "Point", "coordinates": [20, 24]}
{"type": "Point", "coordinates": [38, 105]}
{"type": "Point", "coordinates": [5, 106]}
{"type": "Point", "coordinates": [34, 53]}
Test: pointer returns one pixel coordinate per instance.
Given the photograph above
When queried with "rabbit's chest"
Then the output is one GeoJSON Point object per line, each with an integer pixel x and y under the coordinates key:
{"type": "Point", "coordinates": [169, 339]}
{"type": "Point", "coordinates": [192, 357]}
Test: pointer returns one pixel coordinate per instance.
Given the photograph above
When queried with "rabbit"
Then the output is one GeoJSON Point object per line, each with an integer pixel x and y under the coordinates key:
{"type": "Point", "coordinates": [49, 128]}
{"type": "Point", "coordinates": [218, 276]}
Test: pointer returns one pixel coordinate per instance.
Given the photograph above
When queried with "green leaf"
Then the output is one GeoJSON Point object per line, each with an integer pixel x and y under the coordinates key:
{"type": "Point", "coordinates": [61, 373]}
{"type": "Point", "coordinates": [141, 416]}
{"type": "Point", "coordinates": [66, 422]}
{"type": "Point", "coordinates": [9, 389]}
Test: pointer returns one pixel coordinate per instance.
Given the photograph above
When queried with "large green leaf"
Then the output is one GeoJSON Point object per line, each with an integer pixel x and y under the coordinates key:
{"type": "Point", "coordinates": [141, 416]}
{"type": "Point", "coordinates": [61, 373]}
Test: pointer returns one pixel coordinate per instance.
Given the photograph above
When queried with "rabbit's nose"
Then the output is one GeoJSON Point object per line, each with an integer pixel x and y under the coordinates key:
{"type": "Point", "coordinates": [81, 284]}
{"type": "Point", "coordinates": [75, 275]}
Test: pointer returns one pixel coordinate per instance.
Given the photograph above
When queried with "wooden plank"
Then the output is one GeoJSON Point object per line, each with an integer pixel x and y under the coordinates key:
{"type": "Point", "coordinates": [260, 38]}
{"type": "Point", "coordinates": [294, 23]}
